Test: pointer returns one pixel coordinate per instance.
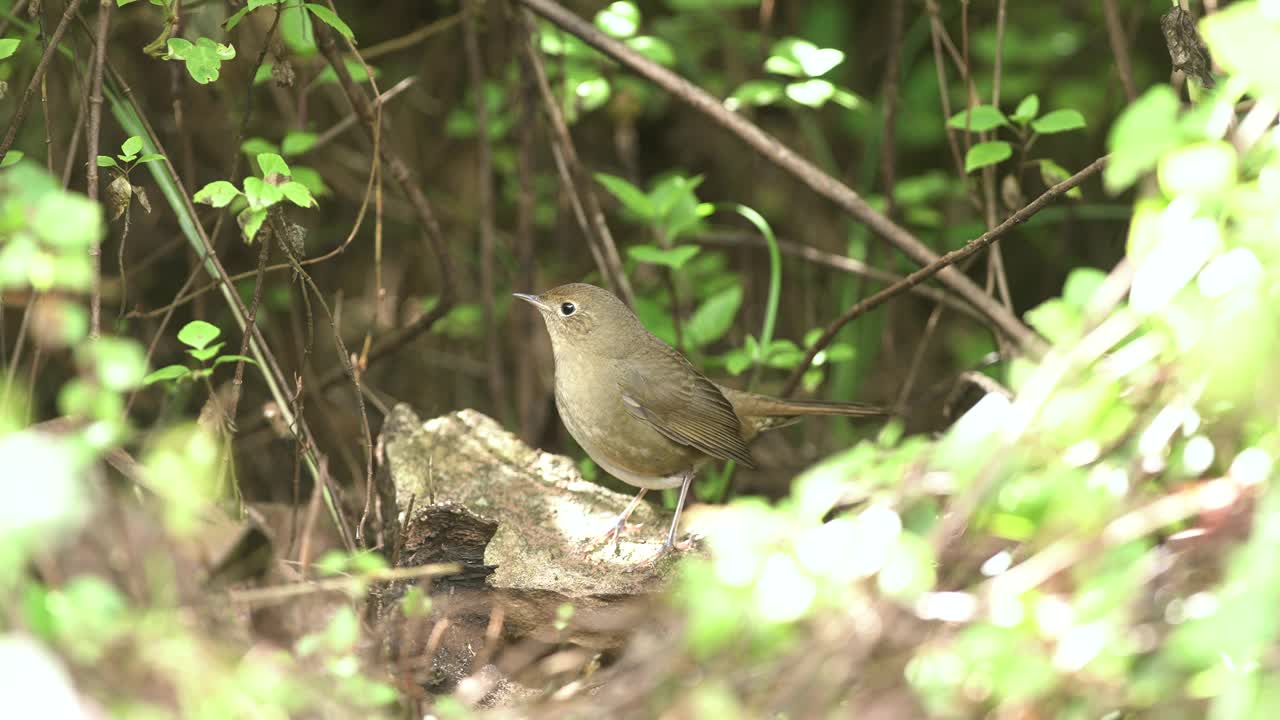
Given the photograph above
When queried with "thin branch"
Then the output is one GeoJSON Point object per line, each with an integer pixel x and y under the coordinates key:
{"type": "Point", "coordinates": [936, 267]}
{"type": "Point", "coordinates": [798, 167]}
{"type": "Point", "coordinates": [1119, 49]}
{"type": "Point", "coordinates": [20, 113]}
{"type": "Point", "coordinates": [579, 188]}
{"type": "Point", "coordinates": [417, 199]}
{"type": "Point", "coordinates": [94, 137]}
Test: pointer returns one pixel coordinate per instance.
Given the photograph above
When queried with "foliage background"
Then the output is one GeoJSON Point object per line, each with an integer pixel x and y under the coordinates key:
{"type": "Point", "coordinates": [1089, 538]}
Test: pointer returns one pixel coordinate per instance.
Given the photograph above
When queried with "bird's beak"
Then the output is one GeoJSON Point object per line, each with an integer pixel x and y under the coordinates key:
{"type": "Point", "coordinates": [533, 300]}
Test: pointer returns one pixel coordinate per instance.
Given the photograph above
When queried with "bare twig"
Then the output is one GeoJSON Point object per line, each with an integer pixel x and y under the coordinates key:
{"type": "Point", "coordinates": [94, 136]}
{"type": "Point", "coordinates": [579, 188]}
{"type": "Point", "coordinates": [1119, 48]}
{"type": "Point", "coordinates": [933, 268]}
{"type": "Point", "coordinates": [798, 167]}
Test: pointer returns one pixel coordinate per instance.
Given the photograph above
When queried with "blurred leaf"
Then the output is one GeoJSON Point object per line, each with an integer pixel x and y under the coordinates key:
{"type": "Point", "coordinates": [1142, 133]}
{"type": "Point", "coordinates": [654, 48]}
{"type": "Point", "coordinates": [13, 156]}
{"type": "Point", "coordinates": [298, 142]}
{"type": "Point", "coordinates": [619, 19]}
{"type": "Point", "coordinates": [811, 93]}
{"type": "Point", "coordinates": [1243, 38]}
{"type": "Point", "coordinates": [1202, 169]}
{"type": "Point", "coordinates": [713, 318]}
{"type": "Point", "coordinates": [1051, 173]}
{"type": "Point", "coordinates": [8, 46]}
{"type": "Point", "coordinates": [632, 197]}
{"type": "Point", "coordinates": [980, 118]}
{"type": "Point", "coordinates": [756, 92]}
{"type": "Point", "coordinates": [674, 258]}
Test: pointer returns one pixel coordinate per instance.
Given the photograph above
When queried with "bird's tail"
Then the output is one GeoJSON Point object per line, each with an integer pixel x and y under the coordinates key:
{"type": "Point", "coordinates": [747, 404]}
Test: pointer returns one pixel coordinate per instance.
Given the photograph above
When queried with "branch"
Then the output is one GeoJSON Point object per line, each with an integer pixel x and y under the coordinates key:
{"type": "Point", "coordinates": [21, 112]}
{"type": "Point", "coordinates": [800, 168]}
{"type": "Point", "coordinates": [936, 267]}
{"type": "Point", "coordinates": [92, 144]}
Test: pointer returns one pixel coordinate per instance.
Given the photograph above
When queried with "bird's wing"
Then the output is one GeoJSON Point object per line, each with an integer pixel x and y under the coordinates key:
{"type": "Point", "coordinates": [681, 403]}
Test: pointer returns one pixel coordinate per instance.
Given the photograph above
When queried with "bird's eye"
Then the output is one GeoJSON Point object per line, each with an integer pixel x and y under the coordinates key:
{"type": "Point", "coordinates": [567, 309]}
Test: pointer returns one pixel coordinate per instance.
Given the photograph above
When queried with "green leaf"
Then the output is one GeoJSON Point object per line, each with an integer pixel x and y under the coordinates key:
{"type": "Point", "coordinates": [674, 258]}
{"type": "Point", "coordinates": [311, 180]}
{"type": "Point", "coordinates": [1058, 121]}
{"type": "Point", "coordinates": [756, 92]}
{"type": "Point", "coordinates": [255, 146]}
{"type": "Point", "coordinates": [1081, 286]}
{"type": "Point", "coordinates": [1026, 110]}
{"type": "Point", "coordinates": [330, 18]}
{"type": "Point", "coordinates": [656, 49]}
{"type": "Point", "coordinates": [1051, 173]}
{"type": "Point", "coordinates": [67, 220]}
{"type": "Point", "coordinates": [298, 142]}
{"type": "Point", "coordinates": [812, 93]}
{"type": "Point", "coordinates": [298, 194]}
{"type": "Point", "coordinates": [986, 153]}
{"type": "Point", "coordinates": [198, 333]}
{"type": "Point", "coordinates": [204, 58]}
{"type": "Point", "coordinates": [800, 58]}
{"type": "Point", "coordinates": [107, 161]}
{"type": "Point", "coordinates": [204, 354]}
{"type": "Point", "coordinates": [150, 157]}
{"type": "Point", "coordinates": [260, 193]}
{"type": "Point", "coordinates": [1141, 134]}
{"type": "Point", "coordinates": [620, 19]}
{"type": "Point", "coordinates": [272, 163]}
{"type": "Point", "coordinates": [1056, 319]}
{"type": "Point", "coordinates": [119, 364]}
{"type": "Point", "coordinates": [12, 157]}
{"type": "Point", "coordinates": [980, 118]}
{"type": "Point", "coordinates": [168, 372]}
{"type": "Point", "coordinates": [217, 193]}
{"type": "Point", "coordinates": [251, 220]}
{"type": "Point", "coordinates": [233, 358]}
{"type": "Point", "coordinates": [132, 146]}
{"type": "Point", "coordinates": [632, 197]}
{"type": "Point", "coordinates": [1243, 38]}
{"type": "Point", "coordinates": [8, 46]}
{"type": "Point", "coordinates": [714, 317]}
{"type": "Point", "coordinates": [231, 22]}
{"type": "Point", "coordinates": [1202, 170]}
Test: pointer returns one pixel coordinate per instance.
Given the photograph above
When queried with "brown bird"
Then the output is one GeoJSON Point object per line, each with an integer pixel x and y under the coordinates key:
{"type": "Point", "coordinates": [640, 410]}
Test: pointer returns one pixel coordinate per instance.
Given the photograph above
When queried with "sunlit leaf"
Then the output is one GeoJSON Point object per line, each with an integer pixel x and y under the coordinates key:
{"type": "Point", "coordinates": [985, 154]}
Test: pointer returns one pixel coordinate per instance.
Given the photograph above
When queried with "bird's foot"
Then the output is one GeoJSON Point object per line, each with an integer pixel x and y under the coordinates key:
{"type": "Point", "coordinates": [616, 531]}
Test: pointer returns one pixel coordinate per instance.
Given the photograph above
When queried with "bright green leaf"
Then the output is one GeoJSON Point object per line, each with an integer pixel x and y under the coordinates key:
{"type": "Point", "coordinates": [198, 333]}
{"type": "Point", "coordinates": [1058, 121]}
{"type": "Point", "coordinates": [656, 49]}
{"type": "Point", "coordinates": [812, 93]}
{"type": "Point", "coordinates": [1203, 169]}
{"type": "Point", "coordinates": [1026, 110]}
{"type": "Point", "coordinates": [132, 146]}
{"type": "Point", "coordinates": [1243, 38]}
{"type": "Point", "coordinates": [250, 220]}
{"type": "Point", "coordinates": [272, 163]}
{"type": "Point", "coordinates": [755, 92]}
{"type": "Point", "coordinates": [8, 46]}
{"type": "Point", "coordinates": [217, 193]}
{"type": "Point", "coordinates": [119, 364]}
{"type": "Point", "coordinates": [298, 194]}
{"type": "Point", "coordinates": [233, 358]}
{"type": "Point", "coordinates": [207, 353]}
{"type": "Point", "coordinates": [985, 154]}
{"type": "Point", "coordinates": [260, 193]}
{"type": "Point", "coordinates": [12, 157]}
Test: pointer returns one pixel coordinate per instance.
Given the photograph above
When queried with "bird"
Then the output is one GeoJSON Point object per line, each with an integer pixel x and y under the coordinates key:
{"type": "Point", "coordinates": [640, 410]}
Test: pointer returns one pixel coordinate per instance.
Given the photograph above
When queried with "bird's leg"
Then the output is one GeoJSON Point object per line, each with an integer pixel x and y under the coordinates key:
{"type": "Point", "coordinates": [675, 521]}
{"type": "Point", "coordinates": [615, 532]}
